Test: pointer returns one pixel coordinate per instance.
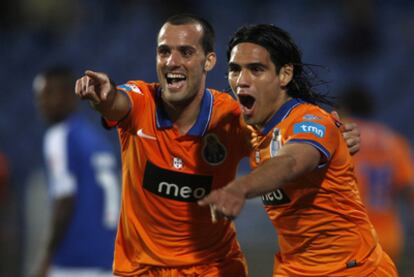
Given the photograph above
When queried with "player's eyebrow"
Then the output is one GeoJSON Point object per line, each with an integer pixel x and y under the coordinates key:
{"type": "Point", "coordinates": [256, 65]}
{"type": "Point", "coordinates": [163, 47]}
{"type": "Point", "coordinates": [236, 66]}
{"type": "Point", "coordinates": [233, 66]}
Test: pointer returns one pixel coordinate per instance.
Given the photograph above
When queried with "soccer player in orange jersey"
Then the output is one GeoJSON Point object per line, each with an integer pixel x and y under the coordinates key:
{"type": "Point", "coordinates": [303, 170]}
{"type": "Point", "coordinates": [179, 141]}
{"type": "Point", "coordinates": [384, 168]}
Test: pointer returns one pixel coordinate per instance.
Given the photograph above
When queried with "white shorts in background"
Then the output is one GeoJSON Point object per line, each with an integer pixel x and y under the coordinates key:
{"type": "Point", "coordinates": [78, 272]}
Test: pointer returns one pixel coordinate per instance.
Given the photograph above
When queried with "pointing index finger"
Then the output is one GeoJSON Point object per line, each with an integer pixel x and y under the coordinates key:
{"type": "Point", "coordinates": [97, 76]}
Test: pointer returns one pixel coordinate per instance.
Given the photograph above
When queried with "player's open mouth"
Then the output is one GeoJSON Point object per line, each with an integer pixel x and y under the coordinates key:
{"type": "Point", "coordinates": [246, 103]}
{"type": "Point", "coordinates": [175, 80]}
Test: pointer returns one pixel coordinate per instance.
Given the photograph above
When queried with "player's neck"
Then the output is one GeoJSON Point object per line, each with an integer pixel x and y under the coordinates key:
{"type": "Point", "coordinates": [276, 107]}
{"type": "Point", "coordinates": [184, 115]}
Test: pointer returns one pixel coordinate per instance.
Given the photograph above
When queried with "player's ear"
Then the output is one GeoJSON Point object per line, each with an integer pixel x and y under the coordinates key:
{"type": "Point", "coordinates": [210, 61]}
{"type": "Point", "coordinates": [286, 74]}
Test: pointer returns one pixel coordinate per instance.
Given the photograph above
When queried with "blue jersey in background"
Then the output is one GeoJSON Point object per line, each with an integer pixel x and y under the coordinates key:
{"type": "Point", "coordinates": [81, 163]}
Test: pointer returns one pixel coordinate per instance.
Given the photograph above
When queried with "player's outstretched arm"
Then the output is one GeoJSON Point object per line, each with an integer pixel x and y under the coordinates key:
{"type": "Point", "coordinates": [292, 161]}
{"type": "Point", "coordinates": [100, 91]}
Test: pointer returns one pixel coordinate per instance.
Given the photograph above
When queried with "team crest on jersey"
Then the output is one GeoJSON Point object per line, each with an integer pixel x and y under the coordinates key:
{"type": "Point", "coordinates": [213, 151]}
{"type": "Point", "coordinates": [178, 163]}
{"type": "Point", "coordinates": [275, 143]}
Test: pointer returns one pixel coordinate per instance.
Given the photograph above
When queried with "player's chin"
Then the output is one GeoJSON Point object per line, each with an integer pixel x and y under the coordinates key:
{"type": "Point", "coordinates": [251, 120]}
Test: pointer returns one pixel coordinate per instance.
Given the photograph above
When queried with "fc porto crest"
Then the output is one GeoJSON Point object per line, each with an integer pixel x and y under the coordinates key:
{"type": "Point", "coordinates": [178, 163]}
{"type": "Point", "coordinates": [213, 151]}
{"type": "Point", "coordinates": [275, 143]}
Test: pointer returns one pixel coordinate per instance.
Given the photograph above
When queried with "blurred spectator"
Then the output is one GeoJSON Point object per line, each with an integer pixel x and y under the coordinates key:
{"type": "Point", "coordinates": [49, 14]}
{"type": "Point", "coordinates": [360, 37]}
{"type": "Point", "coordinates": [8, 14]}
{"type": "Point", "coordinates": [384, 168]}
{"type": "Point", "coordinates": [83, 183]}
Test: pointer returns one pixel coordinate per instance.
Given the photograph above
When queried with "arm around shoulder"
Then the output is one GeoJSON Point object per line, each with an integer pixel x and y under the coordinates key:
{"type": "Point", "coordinates": [292, 161]}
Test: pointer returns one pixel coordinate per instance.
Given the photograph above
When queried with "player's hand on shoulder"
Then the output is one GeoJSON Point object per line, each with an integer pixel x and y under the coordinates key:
{"type": "Point", "coordinates": [350, 133]}
{"type": "Point", "coordinates": [352, 137]}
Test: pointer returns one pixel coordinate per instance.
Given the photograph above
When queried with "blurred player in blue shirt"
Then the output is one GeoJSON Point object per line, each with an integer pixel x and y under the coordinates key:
{"type": "Point", "coordinates": [83, 183]}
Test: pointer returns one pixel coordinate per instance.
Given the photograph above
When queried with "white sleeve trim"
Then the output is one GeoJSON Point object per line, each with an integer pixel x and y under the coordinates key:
{"type": "Point", "coordinates": [62, 182]}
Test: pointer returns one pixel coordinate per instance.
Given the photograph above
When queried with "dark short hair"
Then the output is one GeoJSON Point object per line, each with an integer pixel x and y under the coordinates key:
{"type": "Point", "coordinates": [63, 72]}
{"type": "Point", "coordinates": [282, 50]}
{"type": "Point", "coordinates": [207, 40]}
{"type": "Point", "coordinates": [276, 41]}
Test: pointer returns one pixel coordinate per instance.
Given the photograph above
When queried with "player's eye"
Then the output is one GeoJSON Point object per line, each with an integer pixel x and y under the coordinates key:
{"type": "Point", "coordinates": [163, 51]}
{"type": "Point", "coordinates": [187, 51]}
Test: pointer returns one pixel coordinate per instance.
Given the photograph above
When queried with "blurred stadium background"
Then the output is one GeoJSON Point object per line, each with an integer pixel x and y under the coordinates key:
{"type": "Point", "coordinates": [356, 41]}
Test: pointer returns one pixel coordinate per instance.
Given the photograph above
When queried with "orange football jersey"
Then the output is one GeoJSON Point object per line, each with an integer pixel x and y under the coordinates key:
{"type": "Point", "coordinates": [322, 225]}
{"type": "Point", "coordinates": [165, 173]}
{"type": "Point", "coordinates": [383, 167]}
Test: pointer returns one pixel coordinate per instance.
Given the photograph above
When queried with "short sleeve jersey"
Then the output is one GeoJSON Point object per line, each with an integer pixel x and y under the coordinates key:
{"type": "Point", "coordinates": [322, 224]}
{"type": "Point", "coordinates": [383, 166]}
{"type": "Point", "coordinates": [82, 164]}
{"type": "Point", "coordinates": [165, 173]}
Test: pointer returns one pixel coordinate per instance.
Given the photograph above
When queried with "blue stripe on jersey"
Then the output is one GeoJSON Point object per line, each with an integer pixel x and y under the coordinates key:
{"type": "Point", "coordinates": [281, 114]}
{"type": "Point", "coordinates": [203, 119]}
{"type": "Point", "coordinates": [318, 146]}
